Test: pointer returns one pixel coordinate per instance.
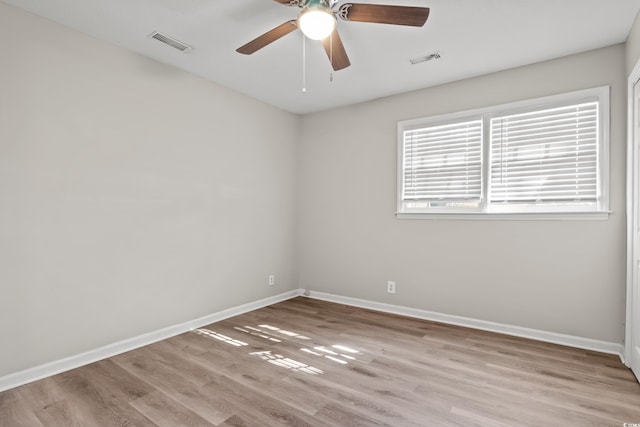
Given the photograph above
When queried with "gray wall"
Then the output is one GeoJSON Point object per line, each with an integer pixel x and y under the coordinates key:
{"type": "Point", "coordinates": [633, 45]}
{"type": "Point", "coordinates": [560, 276]}
{"type": "Point", "coordinates": [132, 196]}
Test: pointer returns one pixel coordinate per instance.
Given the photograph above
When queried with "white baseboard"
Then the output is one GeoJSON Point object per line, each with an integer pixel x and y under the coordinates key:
{"type": "Point", "coordinates": [518, 331]}
{"type": "Point", "coordinates": [52, 368]}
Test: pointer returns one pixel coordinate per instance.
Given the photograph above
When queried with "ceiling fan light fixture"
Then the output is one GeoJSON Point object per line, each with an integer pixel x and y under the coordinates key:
{"type": "Point", "coordinates": [317, 20]}
{"type": "Point", "coordinates": [316, 23]}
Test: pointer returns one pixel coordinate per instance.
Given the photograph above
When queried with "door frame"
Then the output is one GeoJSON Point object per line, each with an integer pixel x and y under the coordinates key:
{"type": "Point", "coordinates": [632, 189]}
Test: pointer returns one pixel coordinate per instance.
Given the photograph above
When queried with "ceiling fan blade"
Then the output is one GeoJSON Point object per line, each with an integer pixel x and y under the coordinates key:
{"type": "Point", "coordinates": [290, 2]}
{"type": "Point", "coordinates": [337, 55]}
{"type": "Point", "coordinates": [268, 37]}
{"type": "Point", "coordinates": [384, 14]}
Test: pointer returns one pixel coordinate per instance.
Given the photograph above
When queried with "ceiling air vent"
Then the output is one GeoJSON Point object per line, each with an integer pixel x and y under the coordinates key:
{"type": "Point", "coordinates": [176, 44]}
{"type": "Point", "coordinates": [425, 58]}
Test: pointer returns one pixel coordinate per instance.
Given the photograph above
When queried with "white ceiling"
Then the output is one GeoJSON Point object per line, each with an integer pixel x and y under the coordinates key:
{"type": "Point", "coordinates": [474, 37]}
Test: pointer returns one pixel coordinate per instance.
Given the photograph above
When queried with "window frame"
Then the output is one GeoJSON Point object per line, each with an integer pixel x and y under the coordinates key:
{"type": "Point", "coordinates": [487, 211]}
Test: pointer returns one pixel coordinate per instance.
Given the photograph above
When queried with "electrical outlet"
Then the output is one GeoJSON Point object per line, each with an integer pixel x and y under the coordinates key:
{"type": "Point", "coordinates": [272, 280]}
{"type": "Point", "coordinates": [391, 287]}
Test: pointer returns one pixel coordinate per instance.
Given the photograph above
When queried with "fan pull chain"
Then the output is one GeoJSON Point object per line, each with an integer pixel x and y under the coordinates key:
{"type": "Point", "coordinates": [331, 57]}
{"type": "Point", "coordinates": [304, 64]}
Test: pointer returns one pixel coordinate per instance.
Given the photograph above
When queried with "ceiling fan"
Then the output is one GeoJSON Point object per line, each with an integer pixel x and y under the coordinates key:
{"type": "Point", "coordinates": [317, 20]}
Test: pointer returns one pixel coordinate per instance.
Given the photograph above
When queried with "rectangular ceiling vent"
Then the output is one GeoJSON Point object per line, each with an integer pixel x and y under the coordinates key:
{"type": "Point", "coordinates": [425, 58]}
{"type": "Point", "coordinates": [176, 44]}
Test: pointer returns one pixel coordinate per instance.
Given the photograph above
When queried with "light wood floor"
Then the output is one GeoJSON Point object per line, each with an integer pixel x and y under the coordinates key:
{"type": "Point", "coordinates": [311, 363]}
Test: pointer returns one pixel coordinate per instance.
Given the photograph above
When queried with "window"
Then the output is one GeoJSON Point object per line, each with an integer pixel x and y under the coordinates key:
{"type": "Point", "coordinates": [545, 156]}
{"type": "Point", "coordinates": [442, 165]}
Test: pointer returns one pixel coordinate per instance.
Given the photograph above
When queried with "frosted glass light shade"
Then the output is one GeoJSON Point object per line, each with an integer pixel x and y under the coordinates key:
{"type": "Point", "coordinates": [316, 24]}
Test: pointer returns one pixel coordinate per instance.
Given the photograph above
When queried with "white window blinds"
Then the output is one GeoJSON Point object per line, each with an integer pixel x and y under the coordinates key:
{"type": "Point", "coordinates": [443, 163]}
{"type": "Point", "coordinates": [545, 156]}
{"type": "Point", "coordinates": [532, 159]}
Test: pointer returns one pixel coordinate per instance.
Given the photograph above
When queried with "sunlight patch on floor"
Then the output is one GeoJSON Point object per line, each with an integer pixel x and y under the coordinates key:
{"type": "Point", "coordinates": [286, 362]}
{"type": "Point", "coordinates": [220, 337]}
{"type": "Point", "coordinates": [337, 353]}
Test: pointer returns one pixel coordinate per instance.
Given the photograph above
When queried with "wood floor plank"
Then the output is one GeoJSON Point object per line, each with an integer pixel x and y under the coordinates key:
{"type": "Point", "coordinates": [372, 403]}
{"type": "Point", "coordinates": [97, 403]}
{"type": "Point", "coordinates": [306, 362]}
{"type": "Point", "coordinates": [173, 384]}
{"type": "Point", "coordinates": [41, 393]}
{"type": "Point", "coordinates": [60, 413]}
{"type": "Point", "coordinates": [164, 354]}
{"type": "Point", "coordinates": [166, 412]}
{"type": "Point", "coordinates": [257, 374]}
{"type": "Point", "coordinates": [336, 414]}
{"type": "Point", "coordinates": [259, 406]}
{"type": "Point", "coordinates": [15, 412]}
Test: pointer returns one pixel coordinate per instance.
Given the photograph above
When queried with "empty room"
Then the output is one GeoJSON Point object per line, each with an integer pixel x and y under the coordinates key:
{"type": "Point", "coordinates": [319, 213]}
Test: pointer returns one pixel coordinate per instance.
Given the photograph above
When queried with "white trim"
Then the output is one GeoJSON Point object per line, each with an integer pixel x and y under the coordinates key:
{"type": "Point", "coordinates": [634, 76]}
{"type": "Point", "coordinates": [52, 368]}
{"type": "Point", "coordinates": [512, 216]}
{"type": "Point", "coordinates": [518, 331]}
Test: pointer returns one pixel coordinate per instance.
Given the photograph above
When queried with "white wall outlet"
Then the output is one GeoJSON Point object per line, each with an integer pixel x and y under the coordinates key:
{"type": "Point", "coordinates": [391, 287]}
{"type": "Point", "coordinates": [272, 280]}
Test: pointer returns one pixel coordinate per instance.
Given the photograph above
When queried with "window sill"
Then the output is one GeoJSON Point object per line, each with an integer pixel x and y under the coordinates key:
{"type": "Point", "coordinates": [510, 216]}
